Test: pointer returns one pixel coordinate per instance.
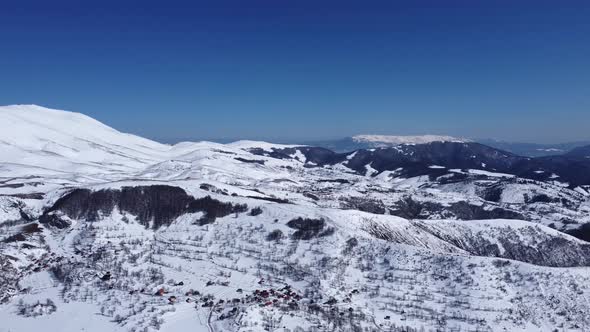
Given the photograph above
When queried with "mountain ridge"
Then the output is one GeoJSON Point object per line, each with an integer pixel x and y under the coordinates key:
{"type": "Point", "coordinates": [349, 144]}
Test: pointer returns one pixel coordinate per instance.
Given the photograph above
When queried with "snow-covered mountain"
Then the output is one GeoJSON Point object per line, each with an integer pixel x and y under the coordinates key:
{"type": "Point", "coordinates": [59, 141]}
{"type": "Point", "coordinates": [388, 140]}
{"type": "Point", "coordinates": [357, 142]}
{"type": "Point", "coordinates": [349, 144]}
{"type": "Point", "coordinates": [106, 231]}
{"type": "Point", "coordinates": [533, 149]}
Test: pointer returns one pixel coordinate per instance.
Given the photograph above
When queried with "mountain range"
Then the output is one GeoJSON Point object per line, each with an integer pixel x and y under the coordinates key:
{"type": "Point", "coordinates": [352, 143]}
{"type": "Point", "coordinates": [107, 231]}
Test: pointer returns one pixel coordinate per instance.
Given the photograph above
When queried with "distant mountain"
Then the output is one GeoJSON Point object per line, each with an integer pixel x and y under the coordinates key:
{"type": "Point", "coordinates": [438, 156]}
{"type": "Point", "coordinates": [533, 149]}
{"type": "Point", "coordinates": [357, 142]}
{"type": "Point", "coordinates": [387, 140]}
{"type": "Point", "coordinates": [582, 152]}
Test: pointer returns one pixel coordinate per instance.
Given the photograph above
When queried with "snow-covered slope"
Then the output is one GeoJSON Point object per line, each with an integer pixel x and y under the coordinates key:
{"type": "Point", "coordinates": [106, 231]}
{"type": "Point", "coordinates": [66, 141]}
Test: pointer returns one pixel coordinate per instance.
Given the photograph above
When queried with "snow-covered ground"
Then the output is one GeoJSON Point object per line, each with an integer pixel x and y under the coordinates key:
{"type": "Point", "coordinates": [121, 233]}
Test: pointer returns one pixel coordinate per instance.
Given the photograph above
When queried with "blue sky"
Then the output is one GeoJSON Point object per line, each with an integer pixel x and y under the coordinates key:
{"type": "Point", "coordinates": [304, 70]}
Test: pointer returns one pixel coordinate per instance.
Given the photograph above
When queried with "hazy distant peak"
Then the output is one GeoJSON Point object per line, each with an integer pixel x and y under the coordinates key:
{"type": "Point", "coordinates": [248, 144]}
{"type": "Point", "coordinates": [421, 139]}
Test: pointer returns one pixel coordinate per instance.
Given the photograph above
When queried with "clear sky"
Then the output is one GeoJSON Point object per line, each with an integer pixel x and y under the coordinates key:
{"type": "Point", "coordinates": [303, 70]}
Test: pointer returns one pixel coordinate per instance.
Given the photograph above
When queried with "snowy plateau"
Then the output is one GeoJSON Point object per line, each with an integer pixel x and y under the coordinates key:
{"type": "Point", "coordinates": [106, 231]}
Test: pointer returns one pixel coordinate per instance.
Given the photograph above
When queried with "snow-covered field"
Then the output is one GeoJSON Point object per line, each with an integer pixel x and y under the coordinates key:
{"type": "Point", "coordinates": [106, 231]}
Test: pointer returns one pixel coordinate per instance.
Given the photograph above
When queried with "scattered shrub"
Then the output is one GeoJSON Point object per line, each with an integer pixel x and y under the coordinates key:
{"type": "Point", "coordinates": [37, 309]}
{"type": "Point", "coordinates": [256, 211]}
{"type": "Point", "coordinates": [274, 235]}
{"type": "Point", "coordinates": [306, 228]}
